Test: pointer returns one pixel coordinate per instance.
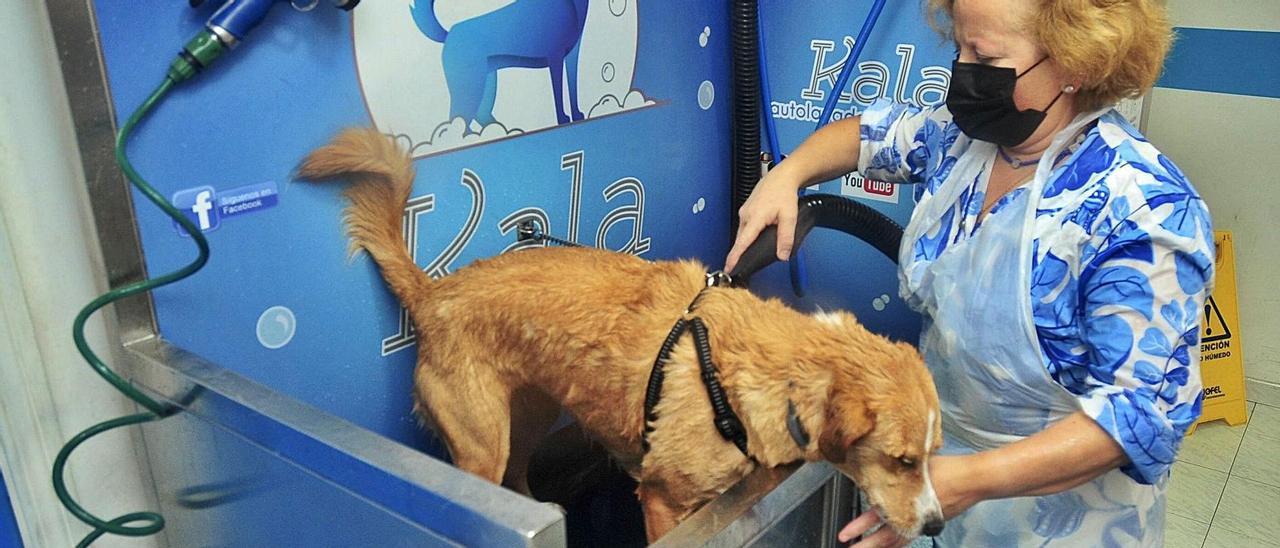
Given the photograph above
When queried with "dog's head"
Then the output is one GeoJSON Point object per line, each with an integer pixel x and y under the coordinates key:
{"type": "Point", "coordinates": [882, 423]}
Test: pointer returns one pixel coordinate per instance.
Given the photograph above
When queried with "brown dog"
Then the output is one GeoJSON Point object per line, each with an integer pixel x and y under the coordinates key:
{"type": "Point", "coordinates": [507, 341]}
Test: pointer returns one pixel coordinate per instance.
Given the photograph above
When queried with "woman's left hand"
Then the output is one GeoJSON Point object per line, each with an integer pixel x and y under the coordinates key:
{"type": "Point", "coordinates": [885, 537]}
{"type": "Point", "coordinates": [950, 476]}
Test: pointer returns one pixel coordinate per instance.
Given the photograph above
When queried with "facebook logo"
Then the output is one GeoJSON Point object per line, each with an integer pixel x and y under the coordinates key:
{"type": "Point", "coordinates": [198, 205]}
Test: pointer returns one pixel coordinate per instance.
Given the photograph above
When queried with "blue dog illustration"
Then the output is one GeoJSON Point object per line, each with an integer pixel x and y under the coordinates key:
{"type": "Point", "coordinates": [526, 33]}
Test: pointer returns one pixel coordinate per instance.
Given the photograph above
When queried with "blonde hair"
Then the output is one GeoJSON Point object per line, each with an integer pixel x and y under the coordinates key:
{"type": "Point", "coordinates": [1116, 48]}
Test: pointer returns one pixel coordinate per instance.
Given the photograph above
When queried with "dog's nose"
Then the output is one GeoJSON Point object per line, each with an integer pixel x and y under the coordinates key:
{"type": "Point", "coordinates": [933, 528]}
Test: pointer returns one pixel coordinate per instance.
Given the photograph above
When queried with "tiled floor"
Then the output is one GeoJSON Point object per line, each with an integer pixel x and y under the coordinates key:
{"type": "Point", "coordinates": [1225, 487]}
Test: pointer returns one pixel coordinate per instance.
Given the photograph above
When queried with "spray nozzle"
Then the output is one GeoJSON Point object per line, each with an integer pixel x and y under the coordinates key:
{"type": "Point", "coordinates": [227, 27]}
{"type": "Point", "coordinates": [236, 18]}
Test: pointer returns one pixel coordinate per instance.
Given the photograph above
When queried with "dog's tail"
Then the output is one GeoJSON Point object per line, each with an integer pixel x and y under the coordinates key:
{"type": "Point", "coordinates": [424, 15]}
{"type": "Point", "coordinates": [382, 177]}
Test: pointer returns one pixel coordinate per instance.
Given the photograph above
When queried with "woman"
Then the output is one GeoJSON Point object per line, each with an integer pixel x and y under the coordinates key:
{"type": "Point", "coordinates": [1060, 263]}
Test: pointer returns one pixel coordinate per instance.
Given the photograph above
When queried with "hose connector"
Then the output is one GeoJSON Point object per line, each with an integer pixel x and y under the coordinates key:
{"type": "Point", "coordinates": [200, 52]}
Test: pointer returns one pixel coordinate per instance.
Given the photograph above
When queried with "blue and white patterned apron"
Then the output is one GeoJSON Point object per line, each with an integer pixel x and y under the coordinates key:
{"type": "Point", "coordinates": [981, 346]}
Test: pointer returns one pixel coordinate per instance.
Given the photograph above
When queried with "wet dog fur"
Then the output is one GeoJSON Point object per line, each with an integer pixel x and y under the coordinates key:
{"type": "Point", "coordinates": [508, 341]}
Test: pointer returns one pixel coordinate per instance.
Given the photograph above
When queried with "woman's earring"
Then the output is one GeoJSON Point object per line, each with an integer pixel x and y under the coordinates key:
{"type": "Point", "coordinates": [1069, 89]}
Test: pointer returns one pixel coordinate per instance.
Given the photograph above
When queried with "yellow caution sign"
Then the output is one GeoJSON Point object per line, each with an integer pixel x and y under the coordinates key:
{"type": "Point", "coordinates": [1221, 356]}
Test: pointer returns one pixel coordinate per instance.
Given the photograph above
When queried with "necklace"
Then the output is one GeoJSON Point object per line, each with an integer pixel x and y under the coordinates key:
{"type": "Point", "coordinates": [1016, 163]}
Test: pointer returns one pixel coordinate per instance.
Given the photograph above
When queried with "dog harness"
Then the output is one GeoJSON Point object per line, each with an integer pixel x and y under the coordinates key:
{"type": "Point", "coordinates": [727, 422]}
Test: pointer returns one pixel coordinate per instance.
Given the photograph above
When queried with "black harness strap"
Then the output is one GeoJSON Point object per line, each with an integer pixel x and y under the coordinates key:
{"type": "Point", "coordinates": [726, 421]}
{"type": "Point", "coordinates": [653, 393]}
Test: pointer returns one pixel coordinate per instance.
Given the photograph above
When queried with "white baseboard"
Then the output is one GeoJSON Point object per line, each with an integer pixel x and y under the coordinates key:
{"type": "Point", "coordinates": [1266, 393]}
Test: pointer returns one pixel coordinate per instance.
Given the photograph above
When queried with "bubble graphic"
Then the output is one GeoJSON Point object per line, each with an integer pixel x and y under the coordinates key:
{"type": "Point", "coordinates": [276, 327]}
{"type": "Point", "coordinates": [706, 94]}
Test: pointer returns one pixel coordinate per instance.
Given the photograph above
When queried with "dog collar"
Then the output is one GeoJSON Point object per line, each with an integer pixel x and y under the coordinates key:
{"type": "Point", "coordinates": [795, 427]}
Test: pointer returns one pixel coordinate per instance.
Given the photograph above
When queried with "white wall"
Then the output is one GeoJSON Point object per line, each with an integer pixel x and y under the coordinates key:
{"type": "Point", "coordinates": [50, 266]}
{"type": "Point", "coordinates": [1227, 145]}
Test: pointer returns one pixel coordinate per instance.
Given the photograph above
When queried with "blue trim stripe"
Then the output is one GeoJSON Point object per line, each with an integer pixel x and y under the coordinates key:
{"type": "Point", "coordinates": [1238, 62]}
{"type": "Point", "coordinates": [9, 537]}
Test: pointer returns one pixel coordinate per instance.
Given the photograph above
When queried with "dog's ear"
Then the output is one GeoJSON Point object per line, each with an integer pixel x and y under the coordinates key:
{"type": "Point", "coordinates": [846, 424]}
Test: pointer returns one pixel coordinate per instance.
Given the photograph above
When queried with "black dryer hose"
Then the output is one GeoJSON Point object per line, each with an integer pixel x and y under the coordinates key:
{"type": "Point", "coordinates": [827, 211]}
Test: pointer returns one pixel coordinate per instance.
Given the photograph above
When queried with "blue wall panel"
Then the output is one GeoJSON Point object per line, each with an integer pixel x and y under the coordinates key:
{"type": "Point", "coordinates": [281, 303]}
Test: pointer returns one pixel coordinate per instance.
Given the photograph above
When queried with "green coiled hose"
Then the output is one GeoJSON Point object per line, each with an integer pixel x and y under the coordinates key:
{"type": "Point", "coordinates": [202, 50]}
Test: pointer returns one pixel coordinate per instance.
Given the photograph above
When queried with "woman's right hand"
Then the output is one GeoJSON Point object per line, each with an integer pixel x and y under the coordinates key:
{"type": "Point", "coordinates": [773, 202]}
{"type": "Point", "coordinates": [828, 153]}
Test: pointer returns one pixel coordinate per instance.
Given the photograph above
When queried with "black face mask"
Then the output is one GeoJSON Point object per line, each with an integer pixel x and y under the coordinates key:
{"type": "Point", "coordinates": [981, 103]}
